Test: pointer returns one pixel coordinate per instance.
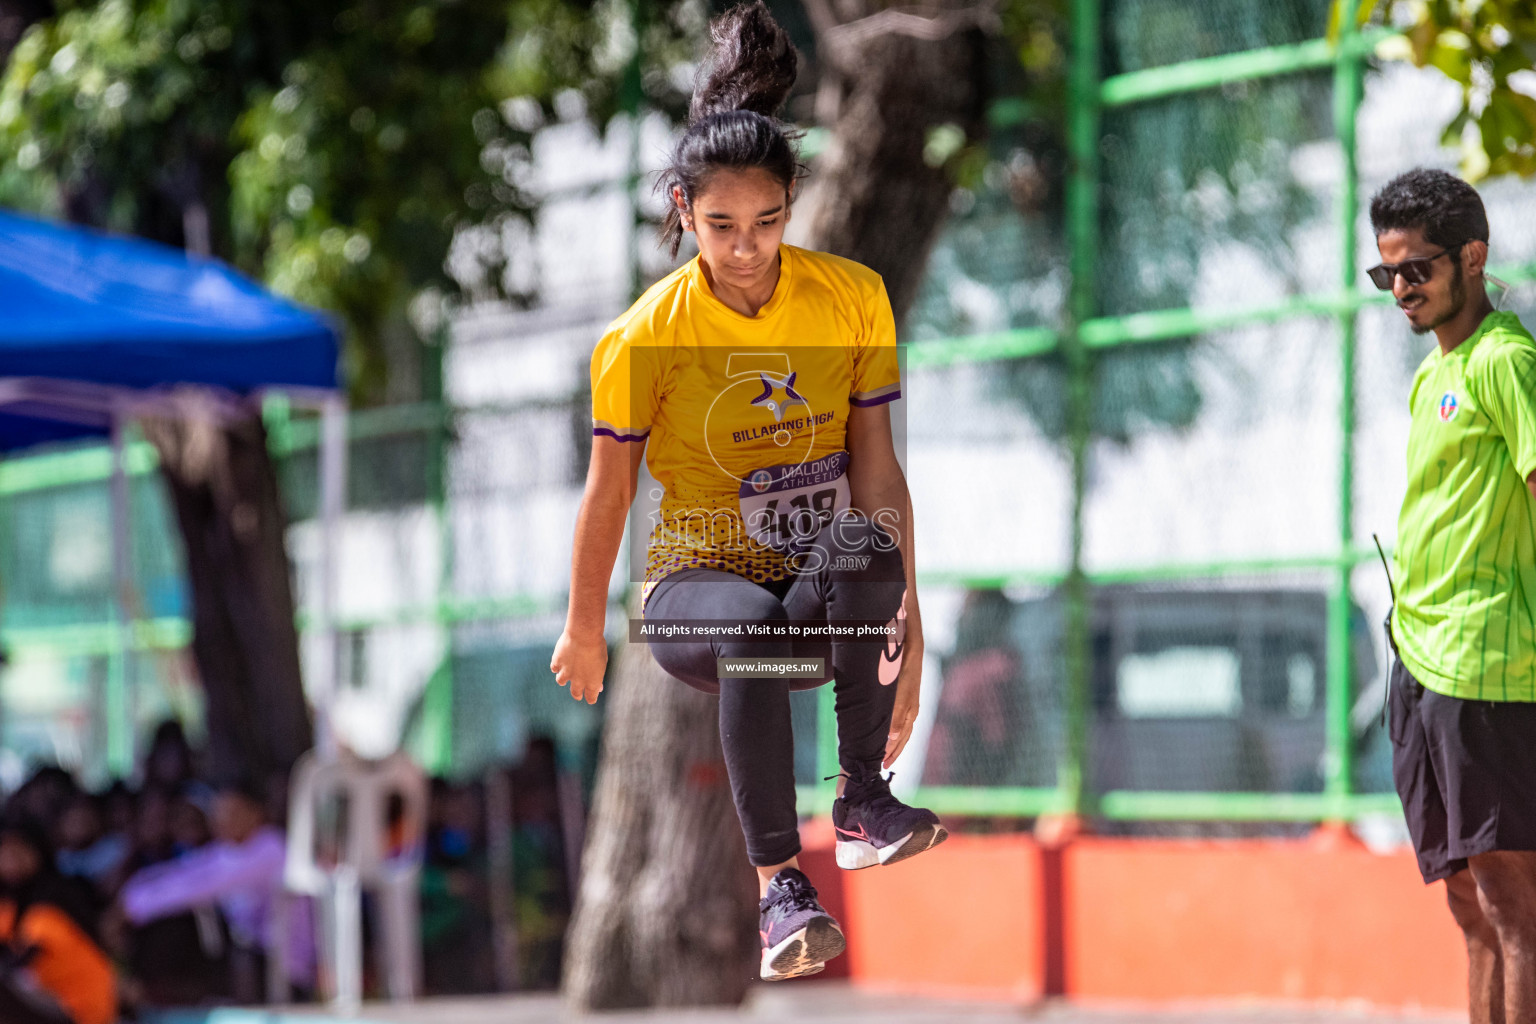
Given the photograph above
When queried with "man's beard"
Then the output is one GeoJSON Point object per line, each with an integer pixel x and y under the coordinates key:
{"type": "Point", "coordinates": [1458, 301]}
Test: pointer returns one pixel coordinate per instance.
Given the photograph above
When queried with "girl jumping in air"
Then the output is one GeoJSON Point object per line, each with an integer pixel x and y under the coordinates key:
{"type": "Point", "coordinates": [755, 381]}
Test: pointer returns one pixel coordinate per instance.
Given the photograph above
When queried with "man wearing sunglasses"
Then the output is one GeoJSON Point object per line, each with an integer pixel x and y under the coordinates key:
{"type": "Point", "coordinates": [1462, 704]}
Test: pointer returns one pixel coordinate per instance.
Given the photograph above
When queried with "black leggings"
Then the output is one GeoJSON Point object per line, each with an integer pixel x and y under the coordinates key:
{"type": "Point", "coordinates": [755, 728]}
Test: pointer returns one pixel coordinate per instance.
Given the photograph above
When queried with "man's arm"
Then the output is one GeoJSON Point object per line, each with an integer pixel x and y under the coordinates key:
{"type": "Point", "coordinates": [1505, 383]}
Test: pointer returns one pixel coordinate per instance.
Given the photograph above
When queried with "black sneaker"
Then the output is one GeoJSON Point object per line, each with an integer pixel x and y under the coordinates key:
{"type": "Point", "coordinates": [873, 827]}
{"type": "Point", "coordinates": [799, 937]}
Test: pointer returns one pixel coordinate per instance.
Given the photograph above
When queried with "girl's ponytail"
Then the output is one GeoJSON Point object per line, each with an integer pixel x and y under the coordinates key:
{"type": "Point", "coordinates": [751, 65]}
{"type": "Point", "coordinates": [733, 119]}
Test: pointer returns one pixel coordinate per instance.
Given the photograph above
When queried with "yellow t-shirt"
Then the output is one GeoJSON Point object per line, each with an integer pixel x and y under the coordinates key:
{"type": "Point", "coordinates": [745, 418]}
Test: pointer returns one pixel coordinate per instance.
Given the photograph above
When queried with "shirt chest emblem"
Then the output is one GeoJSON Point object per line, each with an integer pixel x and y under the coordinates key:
{"type": "Point", "coordinates": [1449, 406]}
{"type": "Point", "coordinates": [777, 406]}
{"type": "Point", "coordinates": [755, 404]}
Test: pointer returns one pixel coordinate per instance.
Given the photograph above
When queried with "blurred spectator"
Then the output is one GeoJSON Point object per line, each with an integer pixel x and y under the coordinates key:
{"type": "Point", "coordinates": [189, 825]}
{"type": "Point", "coordinates": [541, 890]}
{"type": "Point", "coordinates": [118, 805]}
{"type": "Point", "coordinates": [43, 796]}
{"type": "Point", "coordinates": [150, 837]}
{"type": "Point", "coordinates": [241, 872]}
{"type": "Point", "coordinates": [494, 886]}
{"type": "Point", "coordinates": [168, 762]}
{"type": "Point", "coordinates": [46, 934]}
{"type": "Point", "coordinates": [978, 732]}
{"type": "Point", "coordinates": [455, 921]}
{"type": "Point", "coordinates": [181, 886]}
{"type": "Point", "coordinates": [86, 849]}
{"type": "Point", "coordinates": [176, 959]}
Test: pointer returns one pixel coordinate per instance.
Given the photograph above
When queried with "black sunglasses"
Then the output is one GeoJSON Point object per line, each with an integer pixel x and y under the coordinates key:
{"type": "Point", "coordinates": [1415, 271]}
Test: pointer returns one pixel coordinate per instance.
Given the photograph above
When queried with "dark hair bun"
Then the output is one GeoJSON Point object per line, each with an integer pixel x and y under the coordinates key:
{"type": "Point", "coordinates": [751, 65]}
{"type": "Point", "coordinates": [733, 122]}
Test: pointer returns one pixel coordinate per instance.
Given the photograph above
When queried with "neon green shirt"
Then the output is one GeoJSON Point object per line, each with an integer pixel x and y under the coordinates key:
{"type": "Point", "coordinates": [1466, 538]}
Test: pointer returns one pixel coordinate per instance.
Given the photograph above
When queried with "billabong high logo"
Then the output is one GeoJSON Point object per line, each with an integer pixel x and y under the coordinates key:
{"type": "Point", "coordinates": [755, 384]}
{"type": "Point", "coordinates": [1449, 407]}
{"type": "Point", "coordinates": [772, 383]}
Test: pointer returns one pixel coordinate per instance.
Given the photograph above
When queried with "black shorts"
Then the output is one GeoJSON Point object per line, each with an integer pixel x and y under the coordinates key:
{"type": "Point", "coordinates": [1466, 773]}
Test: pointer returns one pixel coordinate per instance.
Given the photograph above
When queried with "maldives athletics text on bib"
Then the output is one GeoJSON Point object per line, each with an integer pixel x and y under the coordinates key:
{"type": "Point", "coordinates": [782, 503]}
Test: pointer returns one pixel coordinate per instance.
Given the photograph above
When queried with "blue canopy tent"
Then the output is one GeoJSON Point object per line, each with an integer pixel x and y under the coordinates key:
{"type": "Point", "coordinates": [96, 329]}
{"type": "Point", "coordinates": [132, 316]}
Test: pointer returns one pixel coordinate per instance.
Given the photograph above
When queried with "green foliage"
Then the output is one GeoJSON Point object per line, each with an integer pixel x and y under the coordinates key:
{"type": "Point", "coordinates": [83, 94]}
{"type": "Point", "coordinates": [1482, 45]}
{"type": "Point", "coordinates": [350, 178]}
{"type": "Point", "coordinates": [1038, 33]}
{"type": "Point", "coordinates": [333, 149]}
{"type": "Point", "coordinates": [619, 53]}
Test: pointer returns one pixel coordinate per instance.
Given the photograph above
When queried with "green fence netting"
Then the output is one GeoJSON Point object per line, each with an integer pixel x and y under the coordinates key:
{"type": "Point", "coordinates": [1145, 492]}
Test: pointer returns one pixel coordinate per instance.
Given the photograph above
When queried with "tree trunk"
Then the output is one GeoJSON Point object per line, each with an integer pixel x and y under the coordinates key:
{"type": "Point", "coordinates": [224, 489]}
{"type": "Point", "coordinates": [667, 911]}
{"type": "Point", "coordinates": [889, 80]}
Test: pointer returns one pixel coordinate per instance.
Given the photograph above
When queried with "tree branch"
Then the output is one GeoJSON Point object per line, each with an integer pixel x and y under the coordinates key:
{"type": "Point", "coordinates": [924, 23]}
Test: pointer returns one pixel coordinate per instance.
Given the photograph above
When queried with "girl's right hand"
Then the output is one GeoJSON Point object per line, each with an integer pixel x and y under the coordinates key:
{"type": "Point", "coordinates": [582, 663]}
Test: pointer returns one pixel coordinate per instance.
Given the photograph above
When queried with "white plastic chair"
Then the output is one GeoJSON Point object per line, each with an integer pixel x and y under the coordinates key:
{"type": "Point", "coordinates": [364, 862]}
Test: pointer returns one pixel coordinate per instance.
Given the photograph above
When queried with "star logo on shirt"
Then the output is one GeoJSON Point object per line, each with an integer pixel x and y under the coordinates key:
{"type": "Point", "coordinates": [772, 383]}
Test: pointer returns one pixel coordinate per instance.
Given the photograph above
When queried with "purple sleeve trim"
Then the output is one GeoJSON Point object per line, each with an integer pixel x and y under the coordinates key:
{"type": "Point", "coordinates": [879, 400]}
{"type": "Point", "coordinates": [605, 432]}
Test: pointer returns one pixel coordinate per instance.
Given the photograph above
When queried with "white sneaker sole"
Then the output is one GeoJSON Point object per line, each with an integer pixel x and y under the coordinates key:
{"type": "Point", "coordinates": [805, 952]}
{"type": "Point", "coordinates": [855, 854]}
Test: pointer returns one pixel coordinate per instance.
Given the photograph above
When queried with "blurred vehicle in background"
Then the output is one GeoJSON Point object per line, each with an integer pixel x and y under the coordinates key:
{"type": "Point", "coordinates": [1208, 690]}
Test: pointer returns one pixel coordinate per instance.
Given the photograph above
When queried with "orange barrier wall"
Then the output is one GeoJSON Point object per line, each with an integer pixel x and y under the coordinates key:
{"type": "Point", "coordinates": [1149, 920]}
{"type": "Point", "coordinates": [1288, 921]}
{"type": "Point", "coordinates": [977, 929]}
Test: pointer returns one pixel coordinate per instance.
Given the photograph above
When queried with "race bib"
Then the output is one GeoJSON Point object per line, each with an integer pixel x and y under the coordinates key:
{"type": "Point", "coordinates": [782, 503]}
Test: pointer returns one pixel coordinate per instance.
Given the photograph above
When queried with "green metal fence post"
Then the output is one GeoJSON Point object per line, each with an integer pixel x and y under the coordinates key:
{"type": "Point", "coordinates": [437, 700]}
{"type": "Point", "coordinates": [632, 102]}
{"type": "Point", "coordinates": [117, 714]}
{"type": "Point", "coordinates": [1082, 239]}
{"type": "Point", "coordinates": [1348, 82]}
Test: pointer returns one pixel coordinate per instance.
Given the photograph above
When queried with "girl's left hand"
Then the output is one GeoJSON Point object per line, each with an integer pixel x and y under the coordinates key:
{"type": "Point", "coordinates": [904, 714]}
